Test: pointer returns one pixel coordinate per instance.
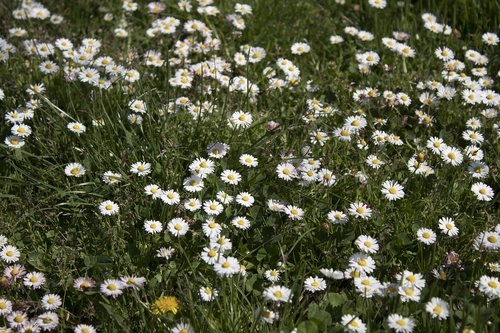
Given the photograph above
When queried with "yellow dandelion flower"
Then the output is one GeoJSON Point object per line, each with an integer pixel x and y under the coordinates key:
{"type": "Point", "coordinates": [165, 304]}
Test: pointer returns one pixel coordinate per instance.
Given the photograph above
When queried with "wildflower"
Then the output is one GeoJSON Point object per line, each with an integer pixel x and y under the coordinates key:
{"type": "Point", "coordinates": [482, 191]}
{"type": "Point", "coordinates": [182, 328]}
{"type": "Point", "coordinates": [208, 294]}
{"type": "Point", "coordinates": [400, 324]}
{"type": "Point", "coordinates": [165, 304]}
{"type": "Point", "coordinates": [294, 212]}
{"type": "Point", "coordinates": [241, 222]}
{"type": "Point", "coordinates": [248, 160]}
{"type": "Point", "coordinates": [74, 170]}
{"type": "Point", "coordinates": [153, 227]}
{"type": "Point", "coordinates": [360, 210]}
{"type": "Point", "coordinates": [277, 294]}
{"type": "Point", "coordinates": [426, 236]}
{"type": "Point", "coordinates": [9, 254]}
{"type": "Point", "coordinates": [108, 208]}
{"type": "Point", "coordinates": [83, 283]}
{"type": "Point", "coordinates": [82, 328]}
{"type": "Point", "coordinates": [165, 252]}
{"type": "Point", "coordinates": [141, 168]}
{"type": "Point", "coordinates": [447, 226]}
{"type": "Point", "coordinates": [314, 284]}
{"type": "Point", "coordinates": [392, 190]}
{"type": "Point", "coordinates": [51, 301]}
{"type": "Point", "coordinates": [367, 244]}
{"type": "Point", "coordinates": [112, 288]}
{"type": "Point", "coordinates": [437, 308]}
{"type": "Point", "coordinates": [226, 266]}
{"type": "Point", "coordinates": [34, 280]}
{"type": "Point", "coordinates": [489, 286]}
{"type": "Point", "coordinates": [178, 227]}
{"type": "Point", "coordinates": [77, 128]}
{"type": "Point", "coordinates": [353, 324]}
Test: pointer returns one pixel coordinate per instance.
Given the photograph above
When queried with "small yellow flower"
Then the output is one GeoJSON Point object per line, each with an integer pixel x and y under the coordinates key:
{"type": "Point", "coordinates": [165, 304]}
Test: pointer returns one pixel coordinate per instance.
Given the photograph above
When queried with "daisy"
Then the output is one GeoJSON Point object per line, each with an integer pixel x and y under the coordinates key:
{"type": "Point", "coordinates": [326, 177]}
{"type": "Point", "coordinates": [272, 275]}
{"type": "Point", "coordinates": [314, 284]}
{"type": "Point", "coordinates": [490, 38]}
{"type": "Point", "coordinates": [294, 212]}
{"type": "Point", "coordinates": [210, 255]}
{"type": "Point", "coordinates": [224, 198]}
{"type": "Point", "coordinates": [248, 160]}
{"type": "Point", "coordinates": [374, 162]}
{"type": "Point", "coordinates": [141, 168]}
{"type": "Point", "coordinates": [153, 227]}
{"type": "Point", "coordinates": [82, 328]}
{"type": "Point", "coordinates": [353, 324]}
{"type": "Point", "coordinates": [245, 199]}
{"type": "Point", "coordinates": [51, 301]}
{"type": "Point", "coordinates": [74, 170]}
{"type": "Point", "coordinates": [112, 288]}
{"type": "Point", "coordinates": [208, 294]}
{"type": "Point", "coordinates": [212, 207]}
{"type": "Point", "coordinates": [360, 210]}
{"type": "Point", "coordinates": [300, 48]}
{"type": "Point", "coordinates": [192, 204]}
{"type": "Point", "coordinates": [218, 150]}
{"type": "Point", "coordinates": [193, 184]}
{"type": "Point", "coordinates": [170, 197]}
{"type": "Point", "coordinates": [447, 226]}
{"type": "Point", "coordinates": [111, 177]}
{"type": "Point", "coordinates": [165, 252]}
{"type": "Point", "coordinates": [337, 217]}
{"type": "Point", "coordinates": [226, 266]}
{"type": "Point", "coordinates": [5, 307]}
{"type": "Point", "coordinates": [153, 190]}
{"type": "Point", "coordinates": [379, 4]}
{"type": "Point", "coordinates": [367, 286]}
{"type": "Point", "coordinates": [109, 207]}
{"type": "Point", "coordinates": [362, 262]}
{"type": "Point", "coordinates": [240, 119]}
{"type": "Point", "coordinates": [408, 293]}
{"type": "Point", "coordinates": [452, 156]}
{"type": "Point", "coordinates": [178, 227]}
{"type": "Point", "coordinates": [46, 321]}
{"type": "Point", "coordinates": [489, 286]}
{"type": "Point", "coordinates": [414, 280]}
{"type": "Point", "coordinates": [83, 283]}
{"type": "Point", "coordinates": [14, 272]}
{"type": "Point", "coordinates": [436, 145]}
{"type": "Point", "coordinates": [426, 236]}
{"type": "Point", "coordinates": [17, 319]}
{"type": "Point", "coordinates": [286, 171]}
{"type": "Point", "coordinates": [482, 191]}
{"type": "Point", "coordinates": [202, 167]}
{"type": "Point", "coordinates": [77, 128]}
{"type": "Point", "coordinates": [34, 280]}
{"type": "Point", "coordinates": [182, 328]}
{"type": "Point", "coordinates": [241, 222]}
{"type": "Point", "coordinates": [392, 190]}
{"type": "Point", "coordinates": [230, 177]}
{"type": "Point", "coordinates": [221, 243]}
{"type": "Point", "coordinates": [14, 141]}
{"type": "Point", "coordinates": [9, 254]}
{"type": "Point", "coordinates": [437, 308]}
{"type": "Point", "coordinates": [367, 244]}
{"type": "Point", "coordinates": [277, 294]}
{"type": "Point", "coordinates": [400, 324]}
{"type": "Point", "coordinates": [132, 281]}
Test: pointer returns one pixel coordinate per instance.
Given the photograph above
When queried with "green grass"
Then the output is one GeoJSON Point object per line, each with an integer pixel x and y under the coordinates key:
{"type": "Point", "coordinates": [55, 222]}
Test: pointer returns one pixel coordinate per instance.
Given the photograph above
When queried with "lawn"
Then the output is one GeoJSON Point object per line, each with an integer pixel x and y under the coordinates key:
{"type": "Point", "coordinates": [260, 166]}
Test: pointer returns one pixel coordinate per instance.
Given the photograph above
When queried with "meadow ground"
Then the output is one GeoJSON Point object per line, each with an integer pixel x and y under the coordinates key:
{"type": "Point", "coordinates": [267, 166]}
